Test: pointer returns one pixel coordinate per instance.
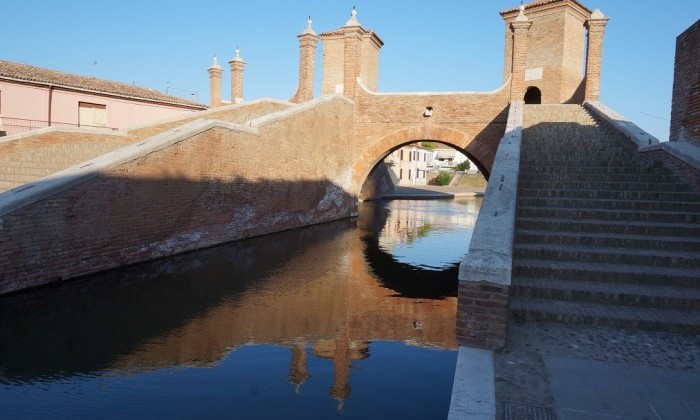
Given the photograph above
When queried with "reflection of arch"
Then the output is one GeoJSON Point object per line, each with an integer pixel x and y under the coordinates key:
{"type": "Point", "coordinates": [478, 153]}
{"type": "Point", "coordinates": [533, 95]}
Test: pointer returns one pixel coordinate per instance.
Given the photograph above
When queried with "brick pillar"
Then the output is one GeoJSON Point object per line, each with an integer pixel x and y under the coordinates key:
{"type": "Point", "coordinates": [520, 26]}
{"type": "Point", "coordinates": [215, 84]}
{"type": "Point", "coordinates": [237, 67]}
{"type": "Point", "coordinates": [352, 34]}
{"type": "Point", "coordinates": [596, 29]}
{"type": "Point", "coordinates": [307, 64]}
{"type": "Point", "coordinates": [483, 315]}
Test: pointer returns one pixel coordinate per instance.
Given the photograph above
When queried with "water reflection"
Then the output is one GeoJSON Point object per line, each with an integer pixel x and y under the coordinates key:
{"type": "Point", "coordinates": [329, 292]}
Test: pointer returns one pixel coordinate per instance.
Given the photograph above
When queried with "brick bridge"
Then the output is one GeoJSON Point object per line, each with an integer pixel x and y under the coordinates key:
{"type": "Point", "coordinates": [78, 201]}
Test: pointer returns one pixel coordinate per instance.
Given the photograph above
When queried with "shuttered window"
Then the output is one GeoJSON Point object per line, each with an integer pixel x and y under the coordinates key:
{"type": "Point", "coordinates": [92, 115]}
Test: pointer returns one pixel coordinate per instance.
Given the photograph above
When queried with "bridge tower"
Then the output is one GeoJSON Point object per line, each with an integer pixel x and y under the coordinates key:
{"type": "Point", "coordinates": [348, 53]}
{"type": "Point", "coordinates": [556, 51]}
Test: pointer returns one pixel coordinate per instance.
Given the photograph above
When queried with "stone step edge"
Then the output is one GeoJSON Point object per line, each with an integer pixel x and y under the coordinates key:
{"type": "Point", "coordinates": [662, 292]}
{"type": "Point", "coordinates": [591, 249]}
{"type": "Point", "coordinates": [609, 222]}
{"type": "Point", "coordinates": [691, 273]}
{"type": "Point", "coordinates": [610, 235]}
{"type": "Point", "coordinates": [597, 314]}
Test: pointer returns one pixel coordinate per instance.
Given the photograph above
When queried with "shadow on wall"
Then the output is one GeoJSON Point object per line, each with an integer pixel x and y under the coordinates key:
{"type": "Point", "coordinates": [111, 221]}
{"type": "Point", "coordinates": [88, 325]}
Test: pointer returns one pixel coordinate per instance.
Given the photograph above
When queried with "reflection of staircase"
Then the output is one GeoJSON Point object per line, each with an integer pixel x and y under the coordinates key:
{"type": "Point", "coordinates": [38, 159]}
{"type": "Point", "coordinates": [602, 235]}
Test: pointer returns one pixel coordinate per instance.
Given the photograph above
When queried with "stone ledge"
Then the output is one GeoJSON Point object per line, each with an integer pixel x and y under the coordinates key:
{"type": "Point", "coordinates": [474, 387]}
{"type": "Point", "coordinates": [683, 150]}
{"type": "Point", "coordinates": [643, 140]}
{"type": "Point", "coordinates": [490, 252]}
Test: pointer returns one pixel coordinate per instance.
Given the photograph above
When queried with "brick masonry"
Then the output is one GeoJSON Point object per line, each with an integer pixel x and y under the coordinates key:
{"type": "Point", "coordinates": [483, 314]}
{"type": "Point", "coordinates": [685, 109]}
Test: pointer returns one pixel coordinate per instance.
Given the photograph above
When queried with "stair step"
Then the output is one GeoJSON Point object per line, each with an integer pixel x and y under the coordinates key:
{"type": "Point", "coordinates": [605, 239]}
{"type": "Point", "coordinates": [606, 214]}
{"type": "Point", "coordinates": [607, 293]}
{"type": "Point", "coordinates": [642, 168]}
{"type": "Point", "coordinates": [593, 177]}
{"type": "Point", "coordinates": [611, 272]}
{"type": "Point", "coordinates": [597, 203]}
{"type": "Point", "coordinates": [601, 185]}
{"type": "Point", "coordinates": [613, 255]}
{"type": "Point", "coordinates": [611, 195]}
{"type": "Point", "coordinates": [681, 321]}
{"type": "Point", "coordinates": [557, 225]}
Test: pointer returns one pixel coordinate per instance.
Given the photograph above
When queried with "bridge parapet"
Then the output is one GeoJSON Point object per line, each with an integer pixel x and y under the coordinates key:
{"type": "Point", "coordinates": [485, 273]}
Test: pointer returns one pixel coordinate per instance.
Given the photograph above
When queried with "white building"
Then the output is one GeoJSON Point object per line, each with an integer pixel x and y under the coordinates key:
{"type": "Point", "coordinates": [410, 164]}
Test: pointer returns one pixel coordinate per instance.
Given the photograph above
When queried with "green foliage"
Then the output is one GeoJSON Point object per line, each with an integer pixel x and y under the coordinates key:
{"type": "Point", "coordinates": [443, 178]}
{"type": "Point", "coordinates": [464, 166]}
{"type": "Point", "coordinates": [430, 145]}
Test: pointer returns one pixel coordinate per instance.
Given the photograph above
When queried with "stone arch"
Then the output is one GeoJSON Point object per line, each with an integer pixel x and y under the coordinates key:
{"type": "Point", "coordinates": [378, 150]}
{"type": "Point", "coordinates": [533, 95]}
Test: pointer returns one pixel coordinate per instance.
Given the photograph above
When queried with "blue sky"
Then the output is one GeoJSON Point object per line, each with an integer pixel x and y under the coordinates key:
{"type": "Point", "coordinates": [439, 45]}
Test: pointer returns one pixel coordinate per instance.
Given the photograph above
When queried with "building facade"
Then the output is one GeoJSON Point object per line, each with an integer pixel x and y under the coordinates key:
{"type": "Point", "coordinates": [33, 97]}
{"type": "Point", "coordinates": [410, 164]}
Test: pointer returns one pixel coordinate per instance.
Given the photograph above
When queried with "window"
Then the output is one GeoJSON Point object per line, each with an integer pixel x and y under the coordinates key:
{"type": "Point", "coordinates": [92, 115]}
{"type": "Point", "coordinates": [400, 173]}
{"type": "Point", "coordinates": [401, 154]}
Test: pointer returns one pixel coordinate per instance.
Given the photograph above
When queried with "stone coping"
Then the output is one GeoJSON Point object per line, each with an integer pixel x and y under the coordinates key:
{"type": "Point", "coordinates": [464, 93]}
{"type": "Point", "coordinates": [58, 129]}
{"type": "Point", "coordinates": [40, 189]}
{"type": "Point", "coordinates": [474, 386]}
{"type": "Point", "coordinates": [643, 140]}
{"type": "Point", "coordinates": [683, 150]}
{"type": "Point", "coordinates": [490, 254]}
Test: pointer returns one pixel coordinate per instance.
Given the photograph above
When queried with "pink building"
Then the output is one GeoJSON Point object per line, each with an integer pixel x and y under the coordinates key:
{"type": "Point", "coordinates": [33, 97]}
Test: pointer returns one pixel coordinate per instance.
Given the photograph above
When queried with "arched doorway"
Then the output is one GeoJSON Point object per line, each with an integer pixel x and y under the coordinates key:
{"type": "Point", "coordinates": [533, 95]}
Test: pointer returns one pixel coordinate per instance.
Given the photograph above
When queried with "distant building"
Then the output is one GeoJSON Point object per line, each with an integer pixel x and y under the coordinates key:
{"type": "Point", "coordinates": [447, 159]}
{"type": "Point", "coordinates": [410, 164]}
{"type": "Point", "coordinates": [34, 97]}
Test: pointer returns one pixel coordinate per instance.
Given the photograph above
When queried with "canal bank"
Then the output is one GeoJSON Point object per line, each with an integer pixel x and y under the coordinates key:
{"type": "Point", "coordinates": [432, 192]}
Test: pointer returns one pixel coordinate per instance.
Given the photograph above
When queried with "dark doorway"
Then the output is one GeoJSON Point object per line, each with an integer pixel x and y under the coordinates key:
{"type": "Point", "coordinates": [533, 96]}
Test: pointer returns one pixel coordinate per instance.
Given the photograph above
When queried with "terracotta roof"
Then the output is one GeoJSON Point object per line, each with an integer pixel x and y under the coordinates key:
{"type": "Point", "coordinates": [537, 3]}
{"type": "Point", "coordinates": [9, 69]}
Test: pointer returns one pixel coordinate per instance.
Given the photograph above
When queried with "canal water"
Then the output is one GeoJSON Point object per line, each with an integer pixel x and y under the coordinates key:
{"type": "Point", "coordinates": [353, 318]}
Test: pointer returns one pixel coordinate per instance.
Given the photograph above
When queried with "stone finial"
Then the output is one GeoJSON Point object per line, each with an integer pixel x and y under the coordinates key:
{"type": "Point", "coordinates": [215, 64]}
{"type": "Point", "coordinates": [309, 30]}
{"type": "Point", "coordinates": [521, 15]}
{"type": "Point", "coordinates": [238, 56]}
{"type": "Point", "coordinates": [353, 18]}
{"type": "Point", "coordinates": [597, 14]}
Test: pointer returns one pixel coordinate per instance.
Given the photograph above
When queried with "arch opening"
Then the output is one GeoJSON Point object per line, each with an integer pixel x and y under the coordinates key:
{"type": "Point", "coordinates": [533, 95]}
{"type": "Point", "coordinates": [418, 163]}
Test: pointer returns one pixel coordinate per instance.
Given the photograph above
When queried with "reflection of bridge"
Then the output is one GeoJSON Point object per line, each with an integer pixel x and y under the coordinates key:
{"type": "Point", "coordinates": [306, 288]}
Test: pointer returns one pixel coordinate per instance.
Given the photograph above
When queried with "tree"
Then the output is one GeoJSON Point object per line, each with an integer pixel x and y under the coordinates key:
{"type": "Point", "coordinates": [430, 145]}
{"type": "Point", "coordinates": [464, 166]}
{"type": "Point", "coordinates": [443, 178]}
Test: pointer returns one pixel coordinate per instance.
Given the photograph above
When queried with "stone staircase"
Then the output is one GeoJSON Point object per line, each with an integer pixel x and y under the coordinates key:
{"type": "Point", "coordinates": [35, 161]}
{"type": "Point", "coordinates": [603, 236]}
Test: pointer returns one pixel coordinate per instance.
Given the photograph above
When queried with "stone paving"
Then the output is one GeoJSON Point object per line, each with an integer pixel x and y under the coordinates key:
{"type": "Point", "coordinates": [587, 372]}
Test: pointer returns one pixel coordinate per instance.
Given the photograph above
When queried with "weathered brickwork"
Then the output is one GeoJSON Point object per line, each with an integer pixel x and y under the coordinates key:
{"type": "Point", "coordinates": [473, 123]}
{"type": "Point", "coordinates": [199, 192]}
{"type": "Point", "coordinates": [483, 317]}
{"type": "Point", "coordinates": [307, 65]}
{"type": "Point", "coordinates": [555, 53]}
{"type": "Point", "coordinates": [685, 109]}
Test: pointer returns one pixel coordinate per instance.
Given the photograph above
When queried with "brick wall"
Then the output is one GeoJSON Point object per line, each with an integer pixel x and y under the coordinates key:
{"type": "Point", "coordinates": [472, 122]}
{"type": "Point", "coordinates": [685, 109]}
{"type": "Point", "coordinates": [217, 186]}
{"type": "Point", "coordinates": [556, 43]}
{"type": "Point", "coordinates": [483, 317]}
